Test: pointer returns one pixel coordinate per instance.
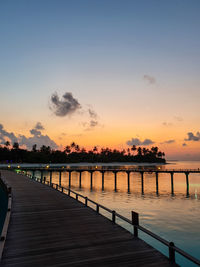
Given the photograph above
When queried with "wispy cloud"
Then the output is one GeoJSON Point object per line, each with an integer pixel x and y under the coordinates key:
{"type": "Point", "coordinates": [171, 141]}
{"type": "Point", "coordinates": [167, 124]}
{"type": "Point", "coordinates": [93, 119]}
{"type": "Point", "coordinates": [138, 142]}
{"type": "Point", "coordinates": [193, 137]}
{"type": "Point", "coordinates": [92, 113]}
{"type": "Point", "coordinates": [39, 126]}
{"type": "Point", "coordinates": [178, 118]}
{"type": "Point", "coordinates": [149, 79]}
{"type": "Point", "coordinates": [88, 126]}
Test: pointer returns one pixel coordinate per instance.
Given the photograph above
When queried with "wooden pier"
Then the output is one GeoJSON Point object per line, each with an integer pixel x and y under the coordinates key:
{"type": "Point", "coordinates": [92, 169]}
{"type": "Point", "coordinates": [48, 228]}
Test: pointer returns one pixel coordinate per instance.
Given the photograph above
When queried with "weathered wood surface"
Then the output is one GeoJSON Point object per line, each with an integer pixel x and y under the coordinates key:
{"type": "Point", "coordinates": [48, 228]}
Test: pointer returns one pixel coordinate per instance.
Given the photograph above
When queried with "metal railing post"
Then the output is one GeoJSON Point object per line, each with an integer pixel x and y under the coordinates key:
{"type": "Point", "coordinates": [86, 201]}
{"type": "Point", "coordinates": [97, 208]}
{"type": "Point", "coordinates": [135, 222]}
{"type": "Point", "coordinates": [171, 252]}
{"type": "Point", "coordinates": [113, 216]}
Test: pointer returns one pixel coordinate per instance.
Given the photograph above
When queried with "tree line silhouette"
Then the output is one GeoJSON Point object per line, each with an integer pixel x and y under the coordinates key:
{"type": "Point", "coordinates": [73, 153]}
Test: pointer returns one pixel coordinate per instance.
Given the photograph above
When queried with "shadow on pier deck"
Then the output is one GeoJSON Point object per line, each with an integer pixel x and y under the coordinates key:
{"type": "Point", "coordinates": [48, 228]}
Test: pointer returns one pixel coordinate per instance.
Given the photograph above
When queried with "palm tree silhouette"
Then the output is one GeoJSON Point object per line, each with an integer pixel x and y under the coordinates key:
{"type": "Point", "coordinates": [7, 144]}
{"type": "Point", "coordinates": [133, 148]}
{"type": "Point", "coordinates": [67, 149]}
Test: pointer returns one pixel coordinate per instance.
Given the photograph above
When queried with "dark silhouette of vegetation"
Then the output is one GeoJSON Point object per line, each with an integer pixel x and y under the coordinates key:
{"type": "Point", "coordinates": [74, 153]}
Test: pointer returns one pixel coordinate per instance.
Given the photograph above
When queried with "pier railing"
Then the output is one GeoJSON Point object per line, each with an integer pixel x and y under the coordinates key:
{"type": "Point", "coordinates": [61, 168]}
{"type": "Point", "coordinates": [7, 190]}
{"type": "Point", "coordinates": [134, 222]}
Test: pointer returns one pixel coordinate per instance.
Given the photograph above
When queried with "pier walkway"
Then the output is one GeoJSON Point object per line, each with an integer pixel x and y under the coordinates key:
{"type": "Point", "coordinates": [48, 228]}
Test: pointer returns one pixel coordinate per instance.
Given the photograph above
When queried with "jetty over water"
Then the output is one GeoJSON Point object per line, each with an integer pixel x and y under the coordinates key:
{"type": "Point", "coordinates": [49, 228]}
{"type": "Point", "coordinates": [142, 171]}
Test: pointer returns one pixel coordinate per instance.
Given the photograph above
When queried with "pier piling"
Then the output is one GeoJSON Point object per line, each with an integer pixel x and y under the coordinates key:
{"type": "Point", "coordinates": [41, 176]}
{"type": "Point", "coordinates": [142, 182]}
{"type": "Point", "coordinates": [60, 177]}
{"type": "Point", "coordinates": [157, 190]}
{"type": "Point", "coordinates": [69, 178]}
{"type": "Point", "coordinates": [80, 174]}
{"type": "Point", "coordinates": [115, 173]}
{"type": "Point", "coordinates": [172, 183]}
{"type": "Point", "coordinates": [102, 172]}
{"type": "Point", "coordinates": [187, 183]}
{"type": "Point", "coordinates": [50, 178]}
{"type": "Point", "coordinates": [91, 180]}
{"type": "Point", "coordinates": [128, 181]}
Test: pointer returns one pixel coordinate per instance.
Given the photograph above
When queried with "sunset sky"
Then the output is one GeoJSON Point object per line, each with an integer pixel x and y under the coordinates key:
{"type": "Point", "coordinates": [101, 72]}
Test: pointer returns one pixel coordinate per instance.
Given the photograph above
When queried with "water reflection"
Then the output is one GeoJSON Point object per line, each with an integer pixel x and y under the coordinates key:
{"type": "Point", "coordinates": [162, 185]}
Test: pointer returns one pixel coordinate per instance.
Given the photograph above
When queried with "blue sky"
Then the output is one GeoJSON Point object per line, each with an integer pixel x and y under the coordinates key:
{"type": "Point", "coordinates": [100, 51]}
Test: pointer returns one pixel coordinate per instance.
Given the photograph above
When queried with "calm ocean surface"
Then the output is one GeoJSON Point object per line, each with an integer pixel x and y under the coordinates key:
{"type": "Point", "coordinates": [174, 217]}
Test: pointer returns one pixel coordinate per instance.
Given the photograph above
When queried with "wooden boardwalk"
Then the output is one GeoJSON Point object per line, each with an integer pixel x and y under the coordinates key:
{"type": "Point", "coordinates": [48, 228]}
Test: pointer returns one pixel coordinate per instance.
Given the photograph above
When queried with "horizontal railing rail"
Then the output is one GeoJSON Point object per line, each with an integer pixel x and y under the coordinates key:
{"type": "Point", "coordinates": [102, 169]}
{"type": "Point", "coordinates": [134, 222]}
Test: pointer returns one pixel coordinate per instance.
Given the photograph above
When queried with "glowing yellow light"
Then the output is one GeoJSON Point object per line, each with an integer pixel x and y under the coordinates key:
{"type": "Point", "coordinates": [96, 167]}
{"type": "Point", "coordinates": [18, 166]}
{"type": "Point", "coordinates": [63, 167]}
{"type": "Point", "coordinates": [8, 166]}
{"type": "Point", "coordinates": [47, 166]}
{"type": "Point", "coordinates": [159, 168]}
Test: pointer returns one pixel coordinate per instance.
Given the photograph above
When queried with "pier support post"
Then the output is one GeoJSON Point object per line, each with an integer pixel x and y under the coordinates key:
{"type": "Point", "coordinates": [115, 173]}
{"type": "Point", "coordinates": [91, 180]}
{"type": "Point", "coordinates": [157, 190]}
{"type": "Point", "coordinates": [80, 173]}
{"type": "Point", "coordinates": [142, 182]}
{"type": "Point", "coordinates": [60, 175]}
{"type": "Point", "coordinates": [187, 183]}
{"type": "Point", "coordinates": [41, 177]}
{"type": "Point", "coordinates": [69, 178]}
{"type": "Point", "coordinates": [128, 181]}
{"type": "Point", "coordinates": [33, 174]}
{"type": "Point", "coordinates": [172, 183]}
{"type": "Point", "coordinates": [50, 177]}
{"type": "Point", "coordinates": [102, 172]}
